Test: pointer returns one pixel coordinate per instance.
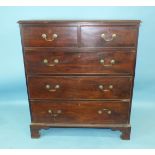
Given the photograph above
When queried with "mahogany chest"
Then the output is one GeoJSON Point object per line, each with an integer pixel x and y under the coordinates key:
{"type": "Point", "coordinates": [80, 73]}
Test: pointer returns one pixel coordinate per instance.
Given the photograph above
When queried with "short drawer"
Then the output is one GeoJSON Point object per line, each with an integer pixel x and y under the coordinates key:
{"type": "Point", "coordinates": [79, 87]}
{"type": "Point", "coordinates": [87, 112]}
{"type": "Point", "coordinates": [49, 36]}
{"type": "Point", "coordinates": [46, 61]}
{"type": "Point", "coordinates": [108, 36]}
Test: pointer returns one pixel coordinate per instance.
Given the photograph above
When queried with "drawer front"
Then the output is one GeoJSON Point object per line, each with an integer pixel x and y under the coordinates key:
{"type": "Point", "coordinates": [79, 87]}
{"type": "Point", "coordinates": [108, 36]}
{"type": "Point", "coordinates": [49, 36]}
{"type": "Point", "coordinates": [72, 62]}
{"type": "Point", "coordinates": [94, 112]}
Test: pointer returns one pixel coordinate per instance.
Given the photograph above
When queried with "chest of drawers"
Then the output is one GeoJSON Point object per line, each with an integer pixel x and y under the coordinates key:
{"type": "Point", "coordinates": [80, 73]}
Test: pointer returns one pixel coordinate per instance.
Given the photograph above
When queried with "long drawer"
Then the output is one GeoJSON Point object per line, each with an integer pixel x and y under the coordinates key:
{"type": "Point", "coordinates": [50, 61]}
{"type": "Point", "coordinates": [79, 87]}
{"type": "Point", "coordinates": [83, 112]}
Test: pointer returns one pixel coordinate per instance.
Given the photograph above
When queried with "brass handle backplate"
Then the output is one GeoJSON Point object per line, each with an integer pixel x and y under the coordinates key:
{"type": "Point", "coordinates": [54, 113]}
{"type": "Point", "coordinates": [54, 36]}
{"type": "Point", "coordinates": [46, 62]}
{"type": "Point", "coordinates": [101, 87]}
{"type": "Point", "coordinates": [104, 110]}
{"type": "Point", "coordinates": [107, 37]}
{"type": "Point", "coordinates": [112, 62]}
{"type": "Point", "coordinates": [52, 89]}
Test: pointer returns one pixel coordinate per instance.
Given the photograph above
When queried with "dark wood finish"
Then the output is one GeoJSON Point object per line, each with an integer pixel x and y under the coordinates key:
{"type": "Point", "coordinates": [81, 22]}
{"type": "Point", "coordinates": [78, 73]}
{"type": "Point", "coordinates": [80, 62]}
{"type": "Point", "coordinates": [34, 132]}
{"type": "Point", "coordinates": [125, 132]}
{"type": "Point", "coordinates": [32, 36]}
{"type": "Point", "coordinates": [125, 129]}
{"type": "Point", "coordinates": [79, 87]}
{"type": "Point", "coordinates": [81, 112]}
{"type": "Point", "coordinates": [125, 36]}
